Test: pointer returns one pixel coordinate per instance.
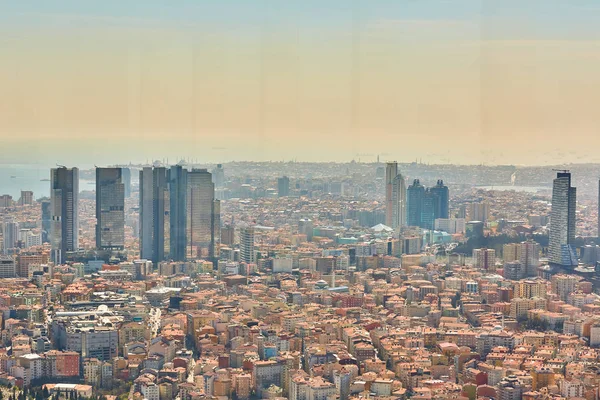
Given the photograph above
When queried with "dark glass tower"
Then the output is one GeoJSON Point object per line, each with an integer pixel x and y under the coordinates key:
{"type": "Point", "coordinates": [442, 199]}
{"type": "Point", "coordinates": [110, 209]}
{"type": "Point", "coordinates": [177, 178]}
{"type": "Point", "coordinates": [46, 219]}
{"type": "Point", "coordinates": [283, 186]}
{"type": "Point", "coordinates": [429, 209]}
{"type": "Point", "coordinates": [64, 212]}
{"type": "Point", "coordinates": [154, 214]}
{"type": "Point", "coordinates": [414, 199]}
{"type": "Point", "coordinates": [562, 222]}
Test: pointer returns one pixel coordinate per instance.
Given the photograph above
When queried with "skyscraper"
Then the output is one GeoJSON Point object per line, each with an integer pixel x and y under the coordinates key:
{"type": "Point", "coordinates": [395, 196]}
{"type": "Point", "coordinates": [283, 186]}
{"type": "Point", "coordinates": [442, 199]}
{"type": "Point", "coordinates": [46, 219]}
{"type": "Point", "coordinates": [218, 176]}
{"type": "Point", "coordinates": [391, 170]}
{"type": "Point", "coordinates": [203, 215]}
{"type": "Point", "coordinates": [10, 232]}
{"type": "Point", "coordinates": [110, 209]}
{"type": "Point", "coordinates": [562, 221]}
{"type": "Point", "coordinates": [126, 173]}
{"type": "Point", "coordinates": [64, 212]}
{"type": "Point", "coordinates": [429, 209]}
{"type": "Point", "coordinates": [26, 198]}
{"type": "Point", "coordinates": [414, 198]}
{"type": "Point", "coordinates": [177, 177]}
{"type": "Point", "coordinates": [154, 214]}
{"type": "Point", "coordinates": [247, 245]}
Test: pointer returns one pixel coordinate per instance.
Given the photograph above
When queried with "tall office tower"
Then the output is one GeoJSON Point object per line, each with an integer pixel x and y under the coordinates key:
{"type": "Point", "coordinates": [10, 232]}
{"type": "Point", "coordinates": [203, 215]}
{"type": "Point", "coordinates": [46, 219]}
{"type": "Point", "coordinates": [398, 201]}
{"type": "Point", "coordinates": [391, 170]}
{"type": "Point", "coordinates": [177, 177]}
{"type": "Point", "coordinates": [247, 245]}
{"type": "Point", "coordinates": [6, 200]}
{"type": "Point", "coordinates": [218, 176]}
{"type": "Point", "coordinates": [414, 203]}
{"type": "Point", "coordinates": [26, 198]}
{"type": "Point", "coordinates": [126, 173]}
{"type": "Point", "coordinates": [64, 212]}
{"type": "Point", "coordinates": [479, 212]}
{"type": "Point", "coordinates": [443, 198]}
{"type": "Point", "coordinates": [154, 214]}
{"type": "Point", "coordinates": [283, 186]}
{"type": "Point", "coordinates": [562, 222]}
{"type": "Point", "coordinates": [428, 209]}
{"type": "Point", "coordinates": [110, 209]}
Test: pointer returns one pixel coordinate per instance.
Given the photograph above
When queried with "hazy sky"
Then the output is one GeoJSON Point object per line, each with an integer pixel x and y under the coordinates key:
{"type": "Point", "coordinates": [495, 81]}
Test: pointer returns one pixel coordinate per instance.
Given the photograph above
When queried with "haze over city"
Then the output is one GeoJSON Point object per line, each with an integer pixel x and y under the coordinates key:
{"type": "Point", "coordinates": [464, 82]}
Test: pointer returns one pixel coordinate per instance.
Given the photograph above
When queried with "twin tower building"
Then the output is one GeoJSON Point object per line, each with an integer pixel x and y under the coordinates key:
{"type": "Point", "coordinates": [414, 205]}
{"type": "Point", "coordinates": [179, 217]}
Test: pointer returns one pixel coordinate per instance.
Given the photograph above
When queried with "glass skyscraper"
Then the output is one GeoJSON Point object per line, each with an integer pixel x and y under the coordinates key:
{"type": "Point", "coordinates": [561, 251]}
{"type": "Point", "coordinates": [110, 209]}
{"type": "Point", "coordinates": [154, 214]}
{"type": "Point", "coordinates": [177, 178]}
{"type": "Point", "coordinates": [414, 207]}
{"type": "Point", "coordinates": [64, 212]}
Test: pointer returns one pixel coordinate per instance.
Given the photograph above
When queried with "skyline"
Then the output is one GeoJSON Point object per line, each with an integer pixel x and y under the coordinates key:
{"type": "Point", "coordinates": [482, 82]}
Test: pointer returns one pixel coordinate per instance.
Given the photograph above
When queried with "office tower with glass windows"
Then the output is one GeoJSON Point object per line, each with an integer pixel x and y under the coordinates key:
{"type": "Point", "coordinates": [442, 195]}
{"type": "Point", "coordinates": [395, 196]}
{"type": "Point", "coordinates": [414, 203]}
{"type": "Point", "coordinates": [177, 178]}
{"type": "Point", "coordinates": [154, 214]}
{"type": "Point", "coordinates": [561, 251]}
{"type": "Point", "coordinates": [283, 186]}
{"type": "Point", "coordinates": [110, 209]}
{"type": "Point", "coordinates": [64, 212]}
{"type": "Point", "coordinates": [202, 215]}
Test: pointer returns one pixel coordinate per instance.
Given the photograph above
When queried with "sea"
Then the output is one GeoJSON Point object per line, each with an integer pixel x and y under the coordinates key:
{"type": "Point", "coordinates": [34, 177]}
{"type": "Point", "coordinates": [531, 189]}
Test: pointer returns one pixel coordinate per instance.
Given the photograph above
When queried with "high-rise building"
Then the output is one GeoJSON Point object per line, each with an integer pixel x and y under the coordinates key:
{"type": "Point", "coordinates": [391, 170]}
{"type": "Point", "coordinates": [428, 209]}
{"type": "Point", "coordinates": [562, 222]}
{"type": "Point", "coordinates": [7, 267]}
{"type": "Point", "coordinates": [305, 226]}
{"type": "Point", "coordinates": [395, 196]}
{"type": "Point", "coordinates": [442, 196]}
{"type": "Point", "coordinates": [283, 186]}
{"type": "Point", "coordinates": [247, 245]}
{"type": "Point", "coordinates": [26, 198]}
{"type": "Point", "coordinates": [154, 214]}
{"type": "Point", "coordinates": [509, 388]}
{"type": "Point", "coordinates": [110, 209]}
{"type": "Point", "coordinates": [10, 232]}
{"type": "Point", "coordinates": [218, 176]}
{"type": "Point", "coordinates": [484, 258]}
{"type": "Point", "coordinates": [177, 177]}
{"type": "Point", "coordinates": [414, 206]}
{"type": "Point", "coordinates": [126, 174]}
{"type": "Point", "coordinates": [46, 219]}
{"type": "Point", "coordinates": [6, 200]}
{"type": "Point", "coordinates": [529, 256]}
{"type": "Point", "coordinates": [203, 215]}
{"type": "Point", "coordinates": [64, 212]}
{"type": "Point", "coordinates": [479, 212]}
